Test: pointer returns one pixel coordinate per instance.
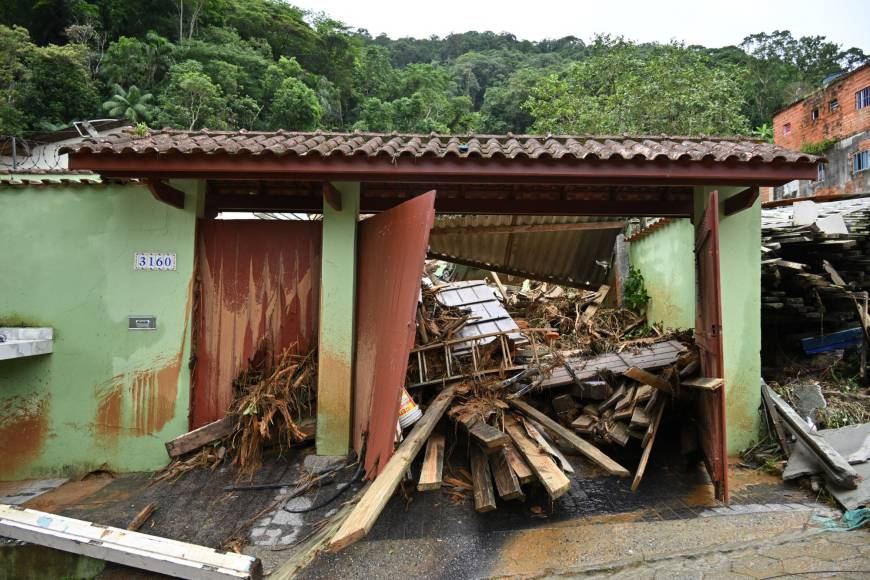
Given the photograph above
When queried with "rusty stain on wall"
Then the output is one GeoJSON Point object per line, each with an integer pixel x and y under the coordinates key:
{"type": "Point", "coordinates": [256, 279]}
{"type": "Point", "coordinates": [23, 428]}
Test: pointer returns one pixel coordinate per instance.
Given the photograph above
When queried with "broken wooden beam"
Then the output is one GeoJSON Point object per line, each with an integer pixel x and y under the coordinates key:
{"type": "Point", "coordinates": [588, 450]}
{"type": "Point", "coordinates": [376, 496]}
{"type": "Point", "coordinates": [518, 464]}
{"type": "Point", "coordinates": [199, 437]}
{"type": "Point", "coordinates": [506, 481]}
{"type": "Point", "coordinates": [593, 308]}
{"type": "Point", "coordinates": [481, 480]}
{"type": "Point", "coordinates": [648, 441]}
{"type": "Point", "coordinates": [703, 383]}
{"type": "Point", "coordinates": [555, 482]}
{"type": "Point", "coordinates": [433, 464]}
{"type": "Point", "coordinates": [648, 378]}
{"type": "Point", "coordinates": [142, 517]}
{"type": "Point", "coordinates": [125, 547]}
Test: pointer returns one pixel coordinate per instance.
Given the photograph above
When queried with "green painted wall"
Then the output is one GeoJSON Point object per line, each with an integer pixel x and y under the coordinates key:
{"type": "Point", "coordinates": [666, 259]}
{"type": "Point", "coordinates": [667, 262]}
{"type": "Point", "coordinates": [337, 301]}
{"type": "Point", "coordinates": [107, 395]}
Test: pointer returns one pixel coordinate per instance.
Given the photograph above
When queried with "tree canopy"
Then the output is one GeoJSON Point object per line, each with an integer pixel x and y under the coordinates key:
{"type": "Point", "coordinates": [265, 64]}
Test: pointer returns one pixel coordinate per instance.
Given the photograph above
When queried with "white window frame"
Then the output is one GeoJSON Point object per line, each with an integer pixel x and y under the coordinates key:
{"type": "Point", "coordinates": [862, 98]}
{"type": "Point", "coordinates": [862, 158]}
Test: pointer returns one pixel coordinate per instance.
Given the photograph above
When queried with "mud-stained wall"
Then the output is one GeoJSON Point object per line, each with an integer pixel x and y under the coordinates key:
{"type": "Point", "coordinates": [107, 395]}
{"type": "Point", "coordinates": [666, 258]}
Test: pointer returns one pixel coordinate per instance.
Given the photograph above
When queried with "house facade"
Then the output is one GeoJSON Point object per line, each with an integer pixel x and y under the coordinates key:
{"type": "Point", "coordinates": [833, 121]}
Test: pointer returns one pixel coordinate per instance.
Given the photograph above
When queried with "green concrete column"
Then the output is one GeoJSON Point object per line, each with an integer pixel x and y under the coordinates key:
{"type": "Point", "coordinates": [336, 335]}
{"type": "Point", "coordinates": [740, 271]}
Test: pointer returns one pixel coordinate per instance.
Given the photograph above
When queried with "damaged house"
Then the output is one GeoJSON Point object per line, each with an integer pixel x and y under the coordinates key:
{"type": "Point", "coordinates": [154, 307]}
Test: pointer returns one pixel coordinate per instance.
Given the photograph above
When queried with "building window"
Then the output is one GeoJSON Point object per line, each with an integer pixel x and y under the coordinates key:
{"type": "Point", "coordinates": [815, 114]}
{"type": "Point", "coordinates": [861, 161]}
{"type": "Point", "coordinates": [823, 172]}
{"type": "Point", "coordinates": [833, 105]}
{"type": "Point", "coordinates": [862, 98]}
{"type": "Point", "coordinates": [786, 129]}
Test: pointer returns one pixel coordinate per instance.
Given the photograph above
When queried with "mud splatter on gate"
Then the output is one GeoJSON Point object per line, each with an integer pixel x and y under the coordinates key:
{"type": "Point", "coordinates": [23, 429]}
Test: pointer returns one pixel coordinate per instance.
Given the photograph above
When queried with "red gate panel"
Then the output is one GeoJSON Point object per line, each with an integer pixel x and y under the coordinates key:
{"type": "Point", "coordinates": [710, 405]}
{"type": "Point", "coordinates": [392, 248]}
{"type": "Point", "coordinates": [255, 278]}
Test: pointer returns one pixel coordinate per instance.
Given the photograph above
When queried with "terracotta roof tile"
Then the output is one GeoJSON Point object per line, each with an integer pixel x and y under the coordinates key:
{"type": "Point", "coordinates": [323, 144]}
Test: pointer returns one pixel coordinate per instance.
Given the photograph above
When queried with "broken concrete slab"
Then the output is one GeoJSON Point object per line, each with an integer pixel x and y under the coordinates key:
{"type": "Point", "coordinates": [852, 442]}
{"type": "Point", "coordinates": [808, 400]}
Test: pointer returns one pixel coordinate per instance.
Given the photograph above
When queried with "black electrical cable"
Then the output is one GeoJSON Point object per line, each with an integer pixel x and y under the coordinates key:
{"type": "Point", "coordinates": [339, 489]}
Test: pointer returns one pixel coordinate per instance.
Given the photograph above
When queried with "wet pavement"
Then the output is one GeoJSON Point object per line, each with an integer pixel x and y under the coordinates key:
{"type": "Point", "coordinates": [671, 528]}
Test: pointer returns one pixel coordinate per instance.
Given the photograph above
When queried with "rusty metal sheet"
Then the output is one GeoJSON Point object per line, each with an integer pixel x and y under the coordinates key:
{"type": "Point", "coordinates": [710, 405]}
{"type": "Point", "coordinates": [255, 278]}
{"type": "Point", "coordinates": [391, 250]}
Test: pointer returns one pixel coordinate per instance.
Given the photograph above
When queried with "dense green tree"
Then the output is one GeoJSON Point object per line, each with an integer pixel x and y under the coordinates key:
{"type": "Point", "coordinates": [503, 109]}
{"type": "Point", "coordinates": [16, 51]}
{"type": "Point", "coordinates": [670, 90]}
{"type": "Point", "coordinates": [131, 104]}
{"type": "Point", "coordinates": [295, 107]}
{"type": "Point", "coordinates": [59, 89]}
{"type": "Point", "coordinates": [191, 100]}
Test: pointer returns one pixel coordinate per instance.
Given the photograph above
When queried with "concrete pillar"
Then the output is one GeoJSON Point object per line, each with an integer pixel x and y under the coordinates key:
{"type": "Point", "coordinates": [740, 270]}
{"type": "Point", "coordinates": [337, 316]}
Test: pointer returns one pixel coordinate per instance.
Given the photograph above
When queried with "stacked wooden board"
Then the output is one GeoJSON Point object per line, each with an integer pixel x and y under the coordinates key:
{"type": "Point", "coordinates": [815, 265]}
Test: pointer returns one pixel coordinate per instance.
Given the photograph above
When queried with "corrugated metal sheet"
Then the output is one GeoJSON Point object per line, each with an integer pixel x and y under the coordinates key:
{"type": "Point", "coordinates": [256, 279]}
{"type": "Point", "coordinates": [567, 257]}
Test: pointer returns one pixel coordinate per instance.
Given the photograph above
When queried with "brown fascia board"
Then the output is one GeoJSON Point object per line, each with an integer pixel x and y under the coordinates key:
{"type": "Point", "coordinates": [443, 169]}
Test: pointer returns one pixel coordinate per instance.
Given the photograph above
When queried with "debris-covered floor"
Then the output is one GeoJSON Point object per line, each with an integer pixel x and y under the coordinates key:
{"type": "Point", "coordinates": [672, 523]}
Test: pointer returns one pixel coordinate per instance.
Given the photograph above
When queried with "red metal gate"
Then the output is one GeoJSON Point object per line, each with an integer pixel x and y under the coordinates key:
{"type": "Point", "coordinates": [255, 278]}
{"type": "Point", "coordinates": [392, 248]}
{"type": "Point", "coordinates": [708, 336]}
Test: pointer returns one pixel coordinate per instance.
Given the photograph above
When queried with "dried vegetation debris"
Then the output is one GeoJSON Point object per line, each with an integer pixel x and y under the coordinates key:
{"type": "Point", "coordinates": [274, 394]}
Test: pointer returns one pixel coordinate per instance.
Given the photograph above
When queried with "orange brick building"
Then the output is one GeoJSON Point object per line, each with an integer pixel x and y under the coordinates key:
{"type": "Point", "coordinates": [836, 117]}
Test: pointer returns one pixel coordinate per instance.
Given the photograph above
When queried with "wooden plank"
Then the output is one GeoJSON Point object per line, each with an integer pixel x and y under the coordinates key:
{"type": "Point", "coordinates": [366, 512]}
{"type": "Point", "coordinates": [616, 396]}
{"type": "Point", "coordinates": [584, 423]}
{"type": "Point", "coordinates": [518, 464]}
{"type": "Point", "coordinates": [644, 392]}
{"type": "Point", "coordinates": [627, 399]}
{"type": "Point", "coordinates": [551, 477]}
{"type": "Point", "coordinates": [584, 447]}
{"type": "Point", "coordinates": [481, 479]}
{"type": "Point", "coordinates": [617, 432]}
{"type": "Point", "coordinates": [129, 548]}
{"type": "Point", "coordinates": [639, 419]}
{"type": "Point", "coordinates": [832, 272]}
{"type": "Point", "coordinates": [593, 308]}
{"type": "Point", "coordinates": [644, 458]}
{"type": "Point", "coordinates": [199, 437]}
{"type": "Point", "coordinates": [506, 481]}
{"type": "Point", "coordinates": [704, 383]}
{"type": "Point", "coordinates": [535, 431]}
{"type": "Point", "coordinates": [648, 378]}
{"type": "Point", "coordinates": [142, 517]}
{"type": "Point", "coordinates": [433, 464]}
{"type": "Point", "coordinates": [490, 438]}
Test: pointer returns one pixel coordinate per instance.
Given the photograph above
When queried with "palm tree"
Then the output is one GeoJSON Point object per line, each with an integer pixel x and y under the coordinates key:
{"type": "Point", "coordinates": [131, 104]}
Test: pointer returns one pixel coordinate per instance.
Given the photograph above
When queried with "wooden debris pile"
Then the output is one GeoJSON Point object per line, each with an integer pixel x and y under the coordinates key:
{"type": "Point", "coordinates": [815, 272]}
{"type": "Point", "coordinates": [272, 408]}
{"type": "Point", "coordinates": [435, 321]}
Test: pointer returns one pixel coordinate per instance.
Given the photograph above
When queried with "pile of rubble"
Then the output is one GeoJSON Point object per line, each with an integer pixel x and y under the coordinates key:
{"type": "Point", "coordinates": [557, 374]}
{"type": "Point", "coordinates": [815, 274]}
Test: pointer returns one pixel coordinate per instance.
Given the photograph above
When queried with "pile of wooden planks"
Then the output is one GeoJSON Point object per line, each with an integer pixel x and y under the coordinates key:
{"type": "Point", "coordinates": [815, 266]}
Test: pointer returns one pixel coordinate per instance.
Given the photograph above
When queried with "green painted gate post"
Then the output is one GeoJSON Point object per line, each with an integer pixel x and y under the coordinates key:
{"type": "Point", "coordinates": [337, 317]}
